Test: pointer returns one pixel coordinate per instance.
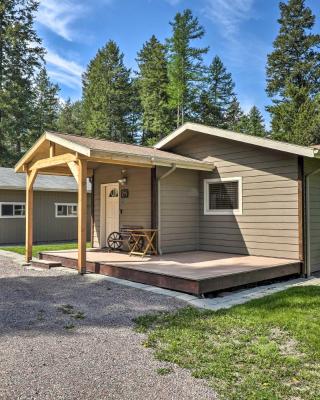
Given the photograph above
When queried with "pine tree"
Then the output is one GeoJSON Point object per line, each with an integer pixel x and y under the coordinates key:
{"type": "Point", "coordinates": [186, 70]}
{"type": "Point", "coordinates": [298, 119]}
{"type": "Point", "coordinates": [45, 106]}
{"type": "Point", "coordinates": [293, 70]}
{"type": "Point", "coordinates": [256, 123]}
{"type": "Point", "coordinates": [233, 115]}
{"type": "Point", "coordinates": [70, 119]}
{"type": "Point", "coordinates": [218, 95]}
{"type": "Point", "coordinates": [153, 90]}
{"type": "Point", "coordinates": [252, 123]}
{"type": "Point", "coordinates": [107, 96]}
{"type": "Point", "coordinates": [20, 55]}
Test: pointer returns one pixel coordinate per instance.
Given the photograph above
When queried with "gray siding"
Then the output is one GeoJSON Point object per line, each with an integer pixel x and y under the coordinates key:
{"type": "Point", "coordinates": [314, 186]}
{"type": "Point", "coordinates": [47, 228]}
{"type": "Point", "coordinates": [136, 209]}
{"type": "Point", "coordinates": [269, 225]}
{"type": "Point", "coordinates": [179, 210]}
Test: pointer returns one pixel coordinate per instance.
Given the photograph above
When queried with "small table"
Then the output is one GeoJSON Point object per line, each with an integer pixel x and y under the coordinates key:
{"type": "Point", "coordinates": [149, 236]}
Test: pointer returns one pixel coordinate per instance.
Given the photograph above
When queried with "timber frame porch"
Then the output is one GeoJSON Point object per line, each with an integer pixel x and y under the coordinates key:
{"type": "Point", "coordinates": [61, 154]}
{"type": "Point", "coordinates": [194, 272]}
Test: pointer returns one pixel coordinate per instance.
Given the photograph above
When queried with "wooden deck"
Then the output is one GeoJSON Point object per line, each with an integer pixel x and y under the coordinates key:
{"type": "Point", "coordinates": [195, 272]}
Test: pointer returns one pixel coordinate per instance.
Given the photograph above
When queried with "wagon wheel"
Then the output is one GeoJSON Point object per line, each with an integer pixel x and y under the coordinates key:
{"type": "Point", "coordinates": [140, 245]}
{"type": "Point", "coordinates": [114, 240]}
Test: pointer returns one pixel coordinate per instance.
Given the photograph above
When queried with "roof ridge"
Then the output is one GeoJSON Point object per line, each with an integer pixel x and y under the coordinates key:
{"type": "Point", "coordinates": [105, 140]}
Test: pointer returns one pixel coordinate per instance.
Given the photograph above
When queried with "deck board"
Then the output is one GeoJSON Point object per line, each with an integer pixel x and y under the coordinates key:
{"type": "Point", "coordinates": [194, 272]}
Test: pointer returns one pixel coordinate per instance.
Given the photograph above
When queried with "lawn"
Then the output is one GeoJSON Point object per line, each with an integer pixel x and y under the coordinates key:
{"type": "Point", "coordinates": [43, 247]}
{"type": "Point", "coordinates": [265, 349]}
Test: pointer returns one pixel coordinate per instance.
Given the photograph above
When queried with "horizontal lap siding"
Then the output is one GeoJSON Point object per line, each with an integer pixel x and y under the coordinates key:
{"type": "Point", "coordinates": [269, 225]}
{"type": "Point", "coordinates": [179, 210]}
{"type": "Point", "coordinates": [136, 209]}
{"type": "Point", "coordinates": [314, 198]}
{"type": "Point", "coordinates": [47, 228]}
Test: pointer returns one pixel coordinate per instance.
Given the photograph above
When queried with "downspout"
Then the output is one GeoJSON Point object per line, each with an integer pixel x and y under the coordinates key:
{"type": "Point", "coordinates": [308, 220]}
{"type": "Point", "coordinates": [171, 170]}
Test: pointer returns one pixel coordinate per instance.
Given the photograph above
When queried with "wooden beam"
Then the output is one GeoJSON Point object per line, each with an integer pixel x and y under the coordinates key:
{"type": "Point", "coordinates": [63, 171]}
{"type": "Point", "coordinates": [82, 215]}
{"type": "Point", "coordinates": [92, 211]}
{"type": "Point", "coordinates": [53, 161]}
{"type": "Point", "coordinates": [74, 168]}
{"type": "Point", "coordinates": [31, 176]}
{"type": "Point", "coordinates": [52, 150]}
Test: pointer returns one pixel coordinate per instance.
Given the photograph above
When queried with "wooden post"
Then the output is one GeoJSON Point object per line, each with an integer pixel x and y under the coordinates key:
{"type": "Point", "coordinates": [31, 176]}
{"type": "Point", "coordinates": [82, 215]}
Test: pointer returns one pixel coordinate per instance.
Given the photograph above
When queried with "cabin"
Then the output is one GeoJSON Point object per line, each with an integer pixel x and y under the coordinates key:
{"type": "Point", "coordinates": [55, 208]}
{"type": "Point", "coordinates": [224, 209]}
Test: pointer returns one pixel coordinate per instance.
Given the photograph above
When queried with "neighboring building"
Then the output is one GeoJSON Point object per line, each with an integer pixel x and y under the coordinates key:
{"type": "Point", "coordinates": [55, 205]}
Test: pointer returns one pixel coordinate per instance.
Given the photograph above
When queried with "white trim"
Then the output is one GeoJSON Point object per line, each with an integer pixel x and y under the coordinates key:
{"type": "Point", "coordinates": [305, 151]}
{"type": "Point", "coordinates": [65, 204]}
{"type": "Point", "coordinates": [207, 182]}
{"type": "Point", "coordinates": [12, 203]}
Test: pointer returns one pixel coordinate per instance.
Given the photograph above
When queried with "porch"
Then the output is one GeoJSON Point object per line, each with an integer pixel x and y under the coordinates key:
{"type": "Point", "coordinates": [194, 272]}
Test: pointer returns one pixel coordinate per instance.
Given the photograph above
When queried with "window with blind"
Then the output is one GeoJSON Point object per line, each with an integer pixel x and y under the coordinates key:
{"type": "Point", "coordinates": [223, 196]}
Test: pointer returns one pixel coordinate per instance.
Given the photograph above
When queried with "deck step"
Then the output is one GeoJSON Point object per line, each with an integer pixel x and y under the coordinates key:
{"type": "Point", "coordinates": [45, 264]}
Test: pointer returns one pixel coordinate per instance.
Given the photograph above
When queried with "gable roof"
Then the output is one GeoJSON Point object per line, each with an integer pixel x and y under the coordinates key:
{"type": "Point", "coordinates": [100, 148]}
{"type": "Point", "coordinates": [9, 180]}
{"type": "Point", "coordinates": [179, 136]}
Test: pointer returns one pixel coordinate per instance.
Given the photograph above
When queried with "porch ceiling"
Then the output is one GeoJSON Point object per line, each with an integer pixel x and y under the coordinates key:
{"type": "Point", "coordinates": [55, 152]}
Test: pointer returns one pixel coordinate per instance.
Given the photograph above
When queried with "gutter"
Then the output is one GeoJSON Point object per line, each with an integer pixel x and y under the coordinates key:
{"type": "Point", "coordinates": [171, 170]}
{"type": "Point", "coordinates": [308, 220]}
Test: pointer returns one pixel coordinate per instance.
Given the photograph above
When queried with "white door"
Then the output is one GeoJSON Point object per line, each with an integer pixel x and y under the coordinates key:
{"type": "Point", "coordinates": [112, 208]}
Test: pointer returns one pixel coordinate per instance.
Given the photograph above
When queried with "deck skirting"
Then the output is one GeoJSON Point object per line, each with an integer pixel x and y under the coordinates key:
{"type": "Point", "coordinates": [172, 281]}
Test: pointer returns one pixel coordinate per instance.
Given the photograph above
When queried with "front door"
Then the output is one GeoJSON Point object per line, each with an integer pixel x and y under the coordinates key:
{"type": "Point", "coordinates": [112, 208]}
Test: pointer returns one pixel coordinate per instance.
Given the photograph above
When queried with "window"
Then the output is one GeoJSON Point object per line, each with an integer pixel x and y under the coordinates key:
{"type": "Point", "coordinates": [223, 196]}
{"type": "Point", "coordinates": [12, 210]}
{"type": "Point", "coordinates": [114, 193]}
{"type": "Point", "coordinates": [66, 210]}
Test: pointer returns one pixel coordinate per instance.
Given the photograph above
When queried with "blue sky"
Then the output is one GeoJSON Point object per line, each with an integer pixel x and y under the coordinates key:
{"type": "Point", "coordinates": [241, 32]}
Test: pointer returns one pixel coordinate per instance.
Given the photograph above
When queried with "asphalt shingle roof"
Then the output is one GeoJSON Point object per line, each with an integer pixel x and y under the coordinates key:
{"type": "Point", "coordinates": [11, 180]}
{"type": "Point", "coordinates": [124, 148]}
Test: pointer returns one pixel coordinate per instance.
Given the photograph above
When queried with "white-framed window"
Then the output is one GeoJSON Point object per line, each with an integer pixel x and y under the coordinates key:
{"type": "Point", "coordinates": [12, 210]}
{"type": "Point", "coordinates": [223, 196]}
{"type": "Point", "coordinates": [66, 210]}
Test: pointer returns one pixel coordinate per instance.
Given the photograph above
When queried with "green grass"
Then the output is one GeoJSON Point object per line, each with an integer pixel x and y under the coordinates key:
{"type": "Point", "coordinates": [42, 247]}
{"type": "Point", "coordinates": [267, 349]}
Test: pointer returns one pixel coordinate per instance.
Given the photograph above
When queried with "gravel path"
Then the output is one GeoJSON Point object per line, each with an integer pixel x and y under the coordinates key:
{"type": "Point", "coordinates": [47, 353]}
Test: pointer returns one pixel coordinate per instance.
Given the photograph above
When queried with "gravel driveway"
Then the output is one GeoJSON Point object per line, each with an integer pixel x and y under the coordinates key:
{"type": "Point", "coordinates": [64, 336]}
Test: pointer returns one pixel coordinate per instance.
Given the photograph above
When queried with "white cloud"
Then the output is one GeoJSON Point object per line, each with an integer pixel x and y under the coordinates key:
{"type": "Point", "coordinates": [64, 71]}
{"type": "Point", "coordinates": [59, 15]}
{"type": "Point", "coordinates": [229, 14]}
